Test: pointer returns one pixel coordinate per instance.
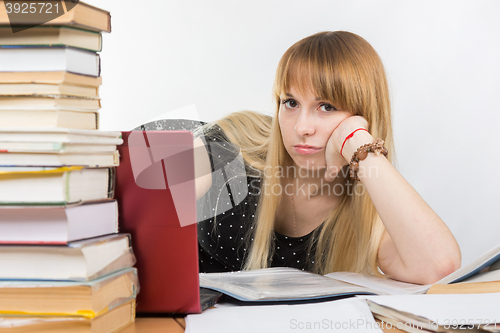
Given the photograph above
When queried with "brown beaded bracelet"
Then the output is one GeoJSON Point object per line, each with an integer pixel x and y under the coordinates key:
{"type": "Point", "coordinates": [361, 153]}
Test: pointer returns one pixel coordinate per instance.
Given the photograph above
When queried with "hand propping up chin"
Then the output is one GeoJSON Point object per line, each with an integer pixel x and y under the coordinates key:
{"type": "Point", "coordinates": [334, 159]}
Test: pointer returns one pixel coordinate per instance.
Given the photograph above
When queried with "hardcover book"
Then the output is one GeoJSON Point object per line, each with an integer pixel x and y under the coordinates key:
{"type": "Point", "coordinates": [82, 16]}
{"type": "Point", "coordinates": [51, 36]}
{"type": "Point", "coordinates": [77, 261]}
{"type": "Point", "coordinates": [57, 224]}
{"type": "Point", "coordinates": [50, 59]}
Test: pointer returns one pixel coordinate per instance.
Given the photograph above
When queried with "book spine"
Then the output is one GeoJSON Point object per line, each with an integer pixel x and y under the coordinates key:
{"type": "Point", "coordinates": [111, 182]}
{"type": "Point", "coordinates": [98, 66]}
{"type": "Point", "coordinates": [100, 42]}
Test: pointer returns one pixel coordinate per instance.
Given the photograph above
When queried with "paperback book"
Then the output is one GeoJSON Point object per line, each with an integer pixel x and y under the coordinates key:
{"type": "Point", "coordinates": [109, 321]}
{"type": "Point", "coordinates": [68, 297]}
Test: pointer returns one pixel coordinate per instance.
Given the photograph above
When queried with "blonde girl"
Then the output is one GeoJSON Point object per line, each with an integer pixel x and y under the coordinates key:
{"type": "Point", "coordinates": [303, 209]}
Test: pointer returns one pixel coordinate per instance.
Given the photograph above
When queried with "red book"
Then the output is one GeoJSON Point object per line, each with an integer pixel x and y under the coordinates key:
{"type": "Point", "coordinates": [167, 253]}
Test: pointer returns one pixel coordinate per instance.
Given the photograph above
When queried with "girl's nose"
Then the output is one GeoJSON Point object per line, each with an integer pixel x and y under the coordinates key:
{"type": "Point", "coordinates": [305, 124]}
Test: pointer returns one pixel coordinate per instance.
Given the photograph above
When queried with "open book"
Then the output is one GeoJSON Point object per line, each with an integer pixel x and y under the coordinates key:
{"type": "Point", "coordinates": [437, 313]}
{"type": "Point", "coordinates": [290, 284]}
{"type": "Point", "coordinates": [278, 284]}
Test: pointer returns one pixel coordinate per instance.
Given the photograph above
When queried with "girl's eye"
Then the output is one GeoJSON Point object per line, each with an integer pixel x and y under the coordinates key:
{"type": "Point", "coordinates": [290, 103]}
{"type": "Point", "coordinates": [327, 108]}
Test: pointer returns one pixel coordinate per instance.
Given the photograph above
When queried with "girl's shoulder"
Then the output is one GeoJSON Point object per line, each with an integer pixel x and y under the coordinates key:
{"type": "Point", "coordinates": [221, 151]}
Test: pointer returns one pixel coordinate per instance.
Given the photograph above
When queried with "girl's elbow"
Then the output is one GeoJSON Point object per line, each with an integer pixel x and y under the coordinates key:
{"type": "Point", "coordinates": [445, 267]}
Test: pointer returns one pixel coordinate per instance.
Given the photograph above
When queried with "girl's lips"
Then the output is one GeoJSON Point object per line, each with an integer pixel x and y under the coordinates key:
{"type": "Point", "coordinates": [306, 150]}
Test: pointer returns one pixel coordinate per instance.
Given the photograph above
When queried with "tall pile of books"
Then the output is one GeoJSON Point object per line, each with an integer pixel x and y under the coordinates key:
{"type": "Point", "coordinates": [63, 265]}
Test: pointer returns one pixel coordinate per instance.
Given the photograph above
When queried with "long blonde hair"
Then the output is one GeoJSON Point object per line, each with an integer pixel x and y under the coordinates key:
{"type": "Point", "coordinates": [336, 66]}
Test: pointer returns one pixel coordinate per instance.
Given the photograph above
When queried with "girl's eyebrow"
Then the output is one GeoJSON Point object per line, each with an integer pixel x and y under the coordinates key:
{"type": "Point", "coordinates": [290, 95]}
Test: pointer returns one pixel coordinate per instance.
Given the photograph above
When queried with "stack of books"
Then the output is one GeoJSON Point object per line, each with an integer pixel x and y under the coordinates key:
{"type": "Point", "coordinates": [63, 265]}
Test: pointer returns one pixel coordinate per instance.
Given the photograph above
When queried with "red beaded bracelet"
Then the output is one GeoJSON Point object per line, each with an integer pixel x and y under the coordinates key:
{"type": "Point", "coordinates": [350, 136]}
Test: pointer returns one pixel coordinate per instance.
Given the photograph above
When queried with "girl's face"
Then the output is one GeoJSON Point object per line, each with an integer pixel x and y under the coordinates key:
{"type": "Point", "coordinates": [306, 123]}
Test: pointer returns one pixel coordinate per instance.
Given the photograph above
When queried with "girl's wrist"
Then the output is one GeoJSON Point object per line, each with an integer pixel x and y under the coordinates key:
{"type": "Point", "coordinates": [352, 144]}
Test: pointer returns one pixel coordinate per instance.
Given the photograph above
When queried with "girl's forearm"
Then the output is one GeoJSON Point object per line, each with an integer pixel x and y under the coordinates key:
{"type": "Point", "coordinates": [418, 246]}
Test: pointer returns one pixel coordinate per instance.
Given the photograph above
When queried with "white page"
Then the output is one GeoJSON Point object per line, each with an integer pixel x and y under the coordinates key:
{"type": "Point", "coordinates": [388, 286]}
{"type": "Point", "coordinates": [447, 309]}
{"type": "Point", "coordinates": [350, 315]}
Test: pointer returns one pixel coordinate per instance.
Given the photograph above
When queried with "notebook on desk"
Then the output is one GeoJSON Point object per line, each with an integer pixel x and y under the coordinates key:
{"type": "Point", "coordinates": [157, 205]}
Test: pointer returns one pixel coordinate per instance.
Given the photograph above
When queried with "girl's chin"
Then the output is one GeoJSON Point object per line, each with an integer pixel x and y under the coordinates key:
{"type": "Point", "coordinates": [308, 164]}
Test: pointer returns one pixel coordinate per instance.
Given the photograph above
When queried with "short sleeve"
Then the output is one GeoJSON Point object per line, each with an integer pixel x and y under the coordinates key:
{"type": "Point", "coordinates": [227, 210]}
{"type": "Point", "coordinates": [230, 184]}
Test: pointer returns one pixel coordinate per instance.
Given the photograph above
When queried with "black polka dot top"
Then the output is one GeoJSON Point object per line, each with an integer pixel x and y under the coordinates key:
{"type": "Point", "coordinates": [227, 212]}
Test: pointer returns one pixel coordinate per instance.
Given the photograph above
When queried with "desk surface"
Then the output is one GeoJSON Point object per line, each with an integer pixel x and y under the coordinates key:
{"type": "Point", "coordinates": [170, 325]}
{"type": "Point", "coordinates": [156, 325]}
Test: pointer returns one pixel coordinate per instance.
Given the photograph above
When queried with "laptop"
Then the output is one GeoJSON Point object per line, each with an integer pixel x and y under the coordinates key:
{"type": "Point", "coordinates": [157, 206]}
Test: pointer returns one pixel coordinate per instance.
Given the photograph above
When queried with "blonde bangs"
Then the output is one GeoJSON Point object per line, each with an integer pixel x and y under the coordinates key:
{"type": "Point", "coordinates": [308, 72]}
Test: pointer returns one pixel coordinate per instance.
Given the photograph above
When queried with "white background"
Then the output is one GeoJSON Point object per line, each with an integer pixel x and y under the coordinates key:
{"type": "Point", "coordinates": [442, 60]}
